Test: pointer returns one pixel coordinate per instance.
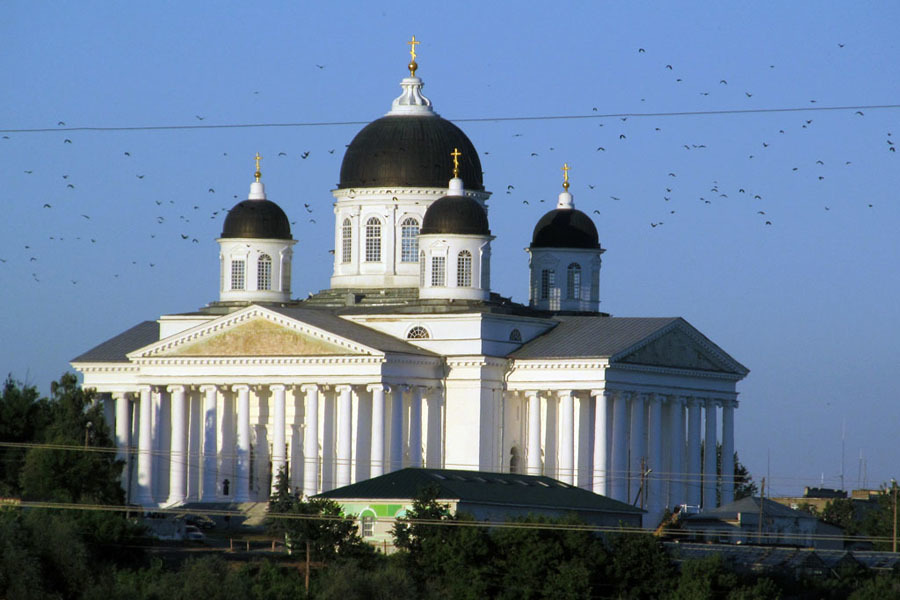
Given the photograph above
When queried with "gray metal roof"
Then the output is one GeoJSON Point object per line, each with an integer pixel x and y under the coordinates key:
{"type": "Point", "coordinates": [328, 321]}
{"type": "Point", "coordinates": [116, 349]}
{"type": "Point", "coordinates": [481, 487]}
{"type": "Point", "coordinates": [749, 504]}
{"type": "Point", "coordinates": [591, 336]}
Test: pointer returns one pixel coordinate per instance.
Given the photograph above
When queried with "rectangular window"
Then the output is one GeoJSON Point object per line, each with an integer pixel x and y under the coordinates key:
{"type": "Point", "coordinates": [373, 240]}
{"type": "Point", "coordinates": [409, 241]}
{"type": "Point", "coordinates": [368, 526]}
{"type": "Point", "coordinates": [237, 274]}
{"type": "Point", "coordinates": [548, 281]}
{"type": "Point", "coordinates": [346, 241]}
{"type": "Point", "coordinates": [464, 269]}
{"type": "Point", "coordinates": [264, 273]}
{"type": "Point", "coordinates": [438, 271]}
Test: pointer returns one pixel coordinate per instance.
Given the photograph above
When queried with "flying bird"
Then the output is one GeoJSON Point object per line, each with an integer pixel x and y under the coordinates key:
{"type": "Point", "coordinates": [67, 141]}
{"type": "Point", "coordinates": [305, 154]}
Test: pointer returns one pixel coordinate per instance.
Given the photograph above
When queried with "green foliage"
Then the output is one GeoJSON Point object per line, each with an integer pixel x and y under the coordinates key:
{"type": "Point", "coordinates": [68, 475]}
{"type": "Point", "coordinates": [386, 579]}
{"type": "Point", "coordinates": [333, 536]}
{"type": "Point", "coordinates": [24, 417]}
{"type": "Point", "coordinates": [639, 566]}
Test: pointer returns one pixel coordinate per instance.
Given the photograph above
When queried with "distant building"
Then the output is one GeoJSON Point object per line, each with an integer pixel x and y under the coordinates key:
{"type": "Point", "coordinates": [771, 523]}
{"type": "Point", "coordinates": [816, 498]}
{"type": "Point", "coordinates": [492, 497]}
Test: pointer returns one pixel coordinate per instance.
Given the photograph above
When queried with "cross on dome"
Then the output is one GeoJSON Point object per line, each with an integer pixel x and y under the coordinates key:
{"type": "Point", "coordinates": [412, 53]}
{"type": "Point", "coordinates": [456, 154]}
{"type": "Point", "coordinates": [565, 170]}
{"type": "Point", "coordinates": [258, 173]}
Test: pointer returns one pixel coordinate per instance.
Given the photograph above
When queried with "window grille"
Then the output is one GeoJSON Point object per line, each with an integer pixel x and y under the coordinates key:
{"type": "Point", "coordinates": [515, 335]}
{"type": "Point", "coordinates": [373, 240]}
{"type": "Point", "coordinates": [346, 241]}
{"type": "Point", "coordinates": [573, 282]}
{"type": "Point", "coordinates": [438, 271]}
{"type": "Point", "coordinates": [417, 333]}
{"type": "Point", "coordinates": [237, 274]}
{"type": "Point", "coordinates": [548, 280]}
{"type": "Point", "coordinates": [421, 269]}
{"type": "Point", "coordinates": [464, 269]}
{"type": "Point", "coordinates": [368, 526]}
{"type": "Point", "coordinates": [264, 272]}
{"type": "Point", "coordinates": [409, 240]}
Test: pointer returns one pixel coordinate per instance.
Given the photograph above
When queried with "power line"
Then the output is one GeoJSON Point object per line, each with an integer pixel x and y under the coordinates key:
{"type": "Point", "coordinates": [635, 115]}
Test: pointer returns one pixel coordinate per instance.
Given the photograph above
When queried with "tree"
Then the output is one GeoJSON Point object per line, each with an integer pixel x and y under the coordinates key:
{"type": "Point", "coordinates": [332, 536]}
{"type": "Point", "coordinates": [87, 471]}
{"type": "Point", "coordinates": [639, 566]}
{"type": "Point", "coordinates": [24, 417]}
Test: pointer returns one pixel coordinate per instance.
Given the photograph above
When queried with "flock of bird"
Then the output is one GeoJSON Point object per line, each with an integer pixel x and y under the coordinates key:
{"type": "Point", "coordinates": [175, 221]}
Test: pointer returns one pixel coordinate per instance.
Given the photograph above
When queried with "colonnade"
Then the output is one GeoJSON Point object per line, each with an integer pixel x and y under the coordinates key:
{"type": "Point", "coordinates": [643, 448]}
{"type": "Point", "coordinates": [228, 442]}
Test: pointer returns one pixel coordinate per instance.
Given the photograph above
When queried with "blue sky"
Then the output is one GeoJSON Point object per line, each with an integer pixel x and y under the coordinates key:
{"type": "Point", "coordinates": [807, 302]}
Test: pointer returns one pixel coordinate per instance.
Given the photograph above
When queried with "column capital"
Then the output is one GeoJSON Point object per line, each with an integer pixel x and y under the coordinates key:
{"type": "Point", "coordinates": [374, 386]}
{"type": "Point", "coordinates": [240, 387]}
{"type": "Point", "coordinates": [277, 387]}
{"type": "Point", "coordinates": [145, 389]}
{"type": "Point", "coordinates": [209, 387]}
{"type": "Point", "coordinates": [173, 389]}
{"type": "Point", "coordinates": [532, 393]}
{"type": "Point", "coordinates": [596, 393]}
{"type": "Point", "coordinates": [309, 387]}
{"type": "Point", "coordinates": [343, 387]}
{"type": "Point", "coordinates": [563, 393]}
{"type": "Point", "coordinates": [692, 401]}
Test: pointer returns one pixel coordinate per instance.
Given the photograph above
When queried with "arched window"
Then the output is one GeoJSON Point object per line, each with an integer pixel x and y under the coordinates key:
{"type": "Point", "coordinates": [421, 269]}
{"type": "Point", "coordinates": [464, 269]}
{"type": "Point", "coordinates": [548, 280]}
{"type": "Point", "coordinates": [237, 274]}
{"type": "Point", "coordinates": [373, 240]}
{"type": "Point", "coordinates": [515, 335]}
{"type": "Point", "coordinates": [417, 333]}
{"type": "Point", "coordinates": [286, 273]}
{"type": "Point", "coordinates": [573, 282]}
{"type": "Point", "coordinates": [438, 271]}
{"type": "Point", "coordinates": [409, 240]}
{"type": "Point", "coordinates": [514, 460]}
{"type": "Point", "coordinates": [346, 241]}
{"type": "Point", "coordinates": [264, 272]}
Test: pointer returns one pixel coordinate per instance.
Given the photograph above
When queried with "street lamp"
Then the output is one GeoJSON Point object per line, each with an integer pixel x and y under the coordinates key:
{"type": "Point", "coordinates": [87, 432]}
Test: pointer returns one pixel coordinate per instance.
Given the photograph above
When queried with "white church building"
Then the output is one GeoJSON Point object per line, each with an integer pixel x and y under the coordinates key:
{"type": "Point", "coordinates": [409, 358]}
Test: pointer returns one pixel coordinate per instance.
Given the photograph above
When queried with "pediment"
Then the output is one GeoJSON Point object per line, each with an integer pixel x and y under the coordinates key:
{"type": "Point", "coordinates": [258, 337]}
{"type": "Point", "coordinates": [679, 350]}
{"type": "Point", "coordinates": [254, 331]}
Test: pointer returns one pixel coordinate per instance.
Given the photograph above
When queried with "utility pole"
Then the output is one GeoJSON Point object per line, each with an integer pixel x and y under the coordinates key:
{"type": "Point", "coordinates": [762, 498]}
{"type": "Point", "coordinates": [894, 539]}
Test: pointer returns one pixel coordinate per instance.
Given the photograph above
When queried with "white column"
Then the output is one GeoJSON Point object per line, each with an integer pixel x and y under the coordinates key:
{"type": "Point", "coordinates": [619, 471]}
{"type": "Point", "coordinates": [208, 449]}
{"type": "Point", "coordinates": [311, 441]}
{"type": "Point", "coordinates": [567, 437]}
{"type": "Point", "coordinates": [599, 481]}
{"type": "Point", "coordinates": [145, 448]}
{"type": "Point", "coordinates": [728, 451]}
{"type": "Point", "coordinates": [693, 475]}
{"type": "Point", "coordinates": [415, 427]}
{"type": "Point", "coordinates": [638, 444]}
{"type": "Point", "coordinates": [278, 436]}
{"type": "Point", "coordinates": [709, 457]}
{"type": "Point", "coordinates": [242, 444]}
{"type": "Point", "coordinates": [178, 456]}
{"type": "Point", "coordinates": [676, 452]}
{"type": "Point", "coordinates": [123, 425]}
{"type": "Point", "coordinates": [397, 428]}
{"type": "Point", "coordinates": [534, 433]}
{"type": "Point", "coordinates": [655, 464]}
{"type": "Point", "coordinates": [377, 458]}
{"type": "Point", "coordinates": [345, 434]}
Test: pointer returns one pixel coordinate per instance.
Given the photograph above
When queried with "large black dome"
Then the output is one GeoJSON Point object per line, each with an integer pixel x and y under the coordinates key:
{"type": "Point", "coordinates": [455, 215]}
{"type": "Point", "coordinates": [409, 150]}
{"type": "Point", "coordinates": [261, 219]}
{"type": "Point", "coordinates": [565, 228]}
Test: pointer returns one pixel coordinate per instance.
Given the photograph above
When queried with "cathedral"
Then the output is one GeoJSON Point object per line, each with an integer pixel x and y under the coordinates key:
{"type": "Point", "coordinates": [409, 358]}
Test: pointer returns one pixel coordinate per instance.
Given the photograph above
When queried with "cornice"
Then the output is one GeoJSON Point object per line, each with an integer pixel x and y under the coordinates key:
{"type": "Point", "coordinates": [675, 371]}
{"type": "Point", "coordinates": [380, 194]}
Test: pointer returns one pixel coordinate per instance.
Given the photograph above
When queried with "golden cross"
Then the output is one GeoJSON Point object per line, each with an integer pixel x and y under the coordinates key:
{"type": "Point", "coordinates": [565, 170]}
{"type": "Point", "coordinates": [258, 173]}
{"type": "Point", "coordinates": [412, 48]}
{"type": "Point", "coordinates": [456, 154]}
{"type": "Point", "coordinates": [412, 52]}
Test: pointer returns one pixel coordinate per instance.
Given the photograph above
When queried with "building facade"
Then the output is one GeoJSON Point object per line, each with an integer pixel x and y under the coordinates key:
{"type": "Point", "coordinates": [409, 358]}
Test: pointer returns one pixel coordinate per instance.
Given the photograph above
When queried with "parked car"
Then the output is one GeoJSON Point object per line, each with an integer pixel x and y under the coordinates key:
{"type": "Point", "coordinates": [193, 534]}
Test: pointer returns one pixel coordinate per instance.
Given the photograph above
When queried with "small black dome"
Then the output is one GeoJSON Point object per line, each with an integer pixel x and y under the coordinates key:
{"type": "Point", "coordinates": [455, 214]}
{"type": "Point", "coordinates": [409, 150]}
{"type": "Point", "coordinates": [261, 219]}
{"type": "Point", "coordinates": [565, 228]}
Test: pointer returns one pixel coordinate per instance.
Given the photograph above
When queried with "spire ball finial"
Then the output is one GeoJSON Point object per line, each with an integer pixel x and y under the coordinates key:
{"type": "Point", "coordinates": [413, 65]}
{"type": "Point", "coordinates": [258, 173]}
{"type": "Point", "coordinates": [565, 170]}
{"type": "Point", "coordinates": [456, 154]}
